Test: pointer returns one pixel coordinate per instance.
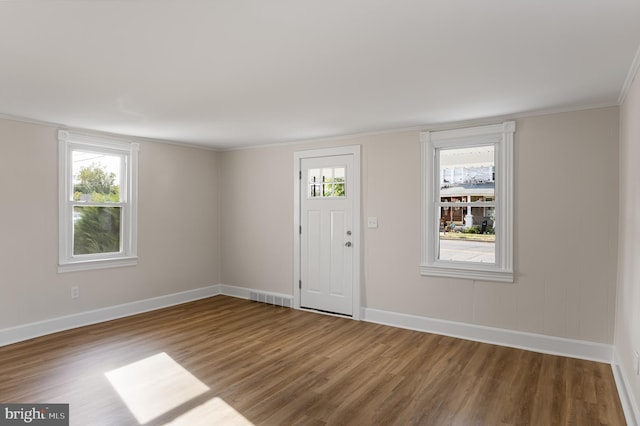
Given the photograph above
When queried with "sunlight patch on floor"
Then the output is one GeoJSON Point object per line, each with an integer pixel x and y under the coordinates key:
{"type": "Point", "coordinates": [213, 412]}
{"type": "Point", "coordinates": [154, 386]}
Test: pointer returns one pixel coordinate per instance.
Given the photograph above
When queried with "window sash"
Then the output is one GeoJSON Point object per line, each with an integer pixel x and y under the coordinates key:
{"type": "Point", "coordinates": [121, 237]}
{"type": "Point", "coordinates": [124, 171]}
{"type": "Point", "coordinates": [465, 204]}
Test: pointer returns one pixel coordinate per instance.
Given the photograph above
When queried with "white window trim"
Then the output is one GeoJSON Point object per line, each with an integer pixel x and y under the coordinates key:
{"type": "Point", "coordinates": [502, 136]}
{"type": "Point", "coordinates": [67, 141]}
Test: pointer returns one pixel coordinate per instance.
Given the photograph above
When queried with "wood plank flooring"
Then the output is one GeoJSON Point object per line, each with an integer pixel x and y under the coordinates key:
{"type": "Point", "coordinates": [224, 360]}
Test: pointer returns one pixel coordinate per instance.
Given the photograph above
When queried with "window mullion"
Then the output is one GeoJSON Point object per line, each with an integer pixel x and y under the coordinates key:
{"type": "Point", "coordinates": [96, 204]}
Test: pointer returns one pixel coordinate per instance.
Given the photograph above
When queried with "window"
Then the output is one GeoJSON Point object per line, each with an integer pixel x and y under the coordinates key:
{"type": "Point", "coordinates": [326, 182]}
{"type": "Point", "coordinates": [98, 202]}
{"type": "Point", "coordinates": [468, 203]}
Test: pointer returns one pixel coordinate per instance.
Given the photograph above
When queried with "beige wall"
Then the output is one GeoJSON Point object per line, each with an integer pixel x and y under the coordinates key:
{"type": "Point", "coordinates": [178, 229]}
{"type": "Point", "coordinates": [257, 220]}
{"type": "Point", "coordinates": [209, 218]}
{"type": "Point", "coordinates": [627, 336]}
{"type": "Point", "coordinates": [565, 233]}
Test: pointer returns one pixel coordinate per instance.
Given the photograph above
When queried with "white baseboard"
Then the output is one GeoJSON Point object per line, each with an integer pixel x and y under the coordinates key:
{"type": "Point", "coordinates": [629, 406]}
{"type": "Point", "coordinates": [516, 339]}
{"type": "Point", "coordinates": [41, 328]}
{"type": "Point", "coordinates": [529, 341]}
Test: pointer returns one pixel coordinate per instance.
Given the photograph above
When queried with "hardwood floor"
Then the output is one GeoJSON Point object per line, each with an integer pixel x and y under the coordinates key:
{"type": "Point", "coordinates": [224, 360]}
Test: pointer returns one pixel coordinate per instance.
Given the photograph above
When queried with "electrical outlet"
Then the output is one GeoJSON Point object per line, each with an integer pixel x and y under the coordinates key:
{"type": "Point", "coordinates": [75, 292]}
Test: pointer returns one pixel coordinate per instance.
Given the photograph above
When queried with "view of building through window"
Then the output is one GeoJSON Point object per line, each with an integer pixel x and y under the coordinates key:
{"type": "Point", "coordinates": [467, 204]}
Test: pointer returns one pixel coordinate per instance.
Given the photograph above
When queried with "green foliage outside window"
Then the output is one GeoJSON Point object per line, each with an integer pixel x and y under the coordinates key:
{"type": "Point", "coordinates": [96, 228]}
{"type": "Point", "coordinates": [96, 182]}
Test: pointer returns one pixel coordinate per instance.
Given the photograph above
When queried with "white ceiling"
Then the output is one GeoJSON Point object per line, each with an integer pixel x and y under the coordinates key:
{"type": "Point", "coordinates": [250, 72]}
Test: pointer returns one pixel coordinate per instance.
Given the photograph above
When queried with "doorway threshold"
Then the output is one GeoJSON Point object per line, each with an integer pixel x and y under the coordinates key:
{"type": "Point", "coordinates": [320, 311]}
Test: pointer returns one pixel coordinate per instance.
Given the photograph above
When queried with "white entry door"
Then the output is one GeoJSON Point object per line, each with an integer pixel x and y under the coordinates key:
{"type": "Point", "coordinates": [327, 236]}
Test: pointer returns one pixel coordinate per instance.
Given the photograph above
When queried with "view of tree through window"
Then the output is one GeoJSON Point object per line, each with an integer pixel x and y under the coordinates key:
{"type": "Point", "coordinates": [327, 182]}
{"type": "Point", "coordinates": [96, 193]}
{"type": "Point", "coordinates": [98, 202]}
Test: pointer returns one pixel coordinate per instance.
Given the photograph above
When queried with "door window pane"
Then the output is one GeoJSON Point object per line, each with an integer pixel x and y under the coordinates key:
{"type": "Point", "coordinates": [339, 179]}
{"type": "Point", "coordinates": [326, 182]}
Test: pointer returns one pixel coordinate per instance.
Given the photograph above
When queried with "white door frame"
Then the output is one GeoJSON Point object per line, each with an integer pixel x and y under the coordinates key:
{"type": "Point", "coordinates": [354, 175]}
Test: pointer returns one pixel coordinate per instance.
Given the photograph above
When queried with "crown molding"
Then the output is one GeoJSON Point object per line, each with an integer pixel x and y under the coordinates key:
{"type": "Point", "coordinates": [99, 133]}
{"type": "Point", "coordinates": [631, 75]}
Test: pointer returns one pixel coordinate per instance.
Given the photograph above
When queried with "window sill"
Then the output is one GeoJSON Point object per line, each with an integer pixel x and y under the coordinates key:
{"type": "Point", "coordinates": [467, 273]}
{"type": "Point", "coordinates": [87, 265]}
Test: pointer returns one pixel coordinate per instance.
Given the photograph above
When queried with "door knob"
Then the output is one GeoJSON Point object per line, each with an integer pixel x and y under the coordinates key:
{"type": "Point", "coordinates": [348, 244]}
{"type": "Point", "coordinates": [348, 232]}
